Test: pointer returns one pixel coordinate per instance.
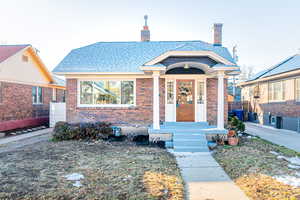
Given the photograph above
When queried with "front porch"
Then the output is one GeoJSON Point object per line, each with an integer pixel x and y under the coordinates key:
{"type": "Point", "coordinates": [184, 136]}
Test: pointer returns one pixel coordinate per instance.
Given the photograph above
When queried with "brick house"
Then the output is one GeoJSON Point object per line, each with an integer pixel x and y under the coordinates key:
{"type": "Point", "coordinates": [272, 96]}
{"type": "Point", "coordinates": [148, 82]}
{"type": "Point", "coordinates": [26, 88]}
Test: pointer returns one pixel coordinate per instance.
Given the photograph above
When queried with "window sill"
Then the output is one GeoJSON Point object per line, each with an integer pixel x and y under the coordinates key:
{"type": "Point", "coordinates": [107, 106]}
{"type": "Point", "coordinates": [279, 101]}
{"type": "Point", "coordinates": [37, 104]}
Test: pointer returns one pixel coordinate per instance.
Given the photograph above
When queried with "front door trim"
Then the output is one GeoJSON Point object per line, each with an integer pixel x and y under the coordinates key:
{"type": "Point", "coordinates": [196, 78]}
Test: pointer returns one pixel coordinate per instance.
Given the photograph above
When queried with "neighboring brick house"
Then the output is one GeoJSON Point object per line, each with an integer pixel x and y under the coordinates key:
{"type": "Point", "coordinates": [26, 88]}
{"type": "Point", "coordinates": [148, 82]}
{"type": "Point", "coordinates": [272, 97]}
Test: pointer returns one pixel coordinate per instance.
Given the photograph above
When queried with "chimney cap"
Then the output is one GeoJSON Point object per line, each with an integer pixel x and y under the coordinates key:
{"type": "Point", "coordinates": [146, 18]}
{"type": "Point", "coordinates": [145, 32]}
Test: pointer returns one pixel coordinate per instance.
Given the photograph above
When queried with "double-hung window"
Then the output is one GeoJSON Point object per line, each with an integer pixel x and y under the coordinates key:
{"type": "Point", "coordinates": [170, 92]}
{"type": "Point", "coordinates": [37, 95]}
{"type": "Point", "coordinates": [277, 91]}
{"type": "Point", "coordinates": [297, 89]}
{"type": "Point", "coordinates": [107, 93]}
{"type": "Point", "coordinates": [200, 92]}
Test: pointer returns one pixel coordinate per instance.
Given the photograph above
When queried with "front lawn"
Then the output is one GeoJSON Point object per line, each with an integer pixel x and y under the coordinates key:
{"type": "Point", "coordinates": [117, 170]}
{"type": "Point", "coordinates": [254, 166]}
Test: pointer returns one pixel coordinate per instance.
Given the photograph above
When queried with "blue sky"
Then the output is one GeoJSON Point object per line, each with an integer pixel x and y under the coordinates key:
{"type": "Point", "coordinates": [264, 31]}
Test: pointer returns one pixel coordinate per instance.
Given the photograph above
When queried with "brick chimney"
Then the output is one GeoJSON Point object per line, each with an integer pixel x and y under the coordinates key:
{"type": "Point", "coordinates": [145, 33]}
{"type": "Point", "coordinates": [218, 34]}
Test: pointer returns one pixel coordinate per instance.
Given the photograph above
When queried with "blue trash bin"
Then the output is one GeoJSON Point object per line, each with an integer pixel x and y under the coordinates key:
{"type": "Point", "coordinates": [239, 113]}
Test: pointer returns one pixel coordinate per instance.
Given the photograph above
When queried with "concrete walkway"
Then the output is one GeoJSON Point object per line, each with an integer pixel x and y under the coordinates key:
{"type": "Point", "coordinates": [205, 179]}
{"type": "Point", "coordinates": [287, 138]}
{"type": "Point", "coordinates": [14, 142]}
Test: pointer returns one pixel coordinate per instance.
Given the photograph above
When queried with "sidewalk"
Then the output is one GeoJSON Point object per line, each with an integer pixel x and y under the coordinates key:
{"type": "Point", "coordinates": [11, 139]}
{"type": "Point", "coordinates": [205, 179]}
{"type": "Point", "coordinates": [287, 138]}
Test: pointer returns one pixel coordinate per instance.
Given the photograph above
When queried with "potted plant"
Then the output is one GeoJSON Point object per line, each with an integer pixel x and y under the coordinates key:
{"type": "Point", "coordinates": [218, 139]}
{"type": "Point", "coordinates": [236, 126]}
{"type": "Point", "coordinates": [233, 140]}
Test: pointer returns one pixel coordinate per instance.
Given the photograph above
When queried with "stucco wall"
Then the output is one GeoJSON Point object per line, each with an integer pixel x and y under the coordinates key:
{"type": "Point", "coordinates": [17, 70]}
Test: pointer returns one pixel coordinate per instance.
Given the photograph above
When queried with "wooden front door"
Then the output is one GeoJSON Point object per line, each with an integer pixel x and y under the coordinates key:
{"type": "Point", "coordinates": [185, 100]}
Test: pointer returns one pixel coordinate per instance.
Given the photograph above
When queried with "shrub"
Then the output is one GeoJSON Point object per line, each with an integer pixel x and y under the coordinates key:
{"type": "Point", "coordinates": [79, 131]}
{"type": "Point", "coordinates": [235, 124]}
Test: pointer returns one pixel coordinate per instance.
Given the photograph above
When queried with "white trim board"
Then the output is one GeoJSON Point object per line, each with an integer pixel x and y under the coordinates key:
{"type": "Point", "coordinates": [171, 108]}
{"type": "Point", "coordinates": [209, 54]}
{"type": "Point", "coordinates": [79, 105]}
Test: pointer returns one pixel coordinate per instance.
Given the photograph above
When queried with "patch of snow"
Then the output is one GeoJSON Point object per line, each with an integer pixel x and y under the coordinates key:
{"type": "Point", "coordinates": [74, 177]}
{"type": "Point", "coordinates": [289, 180]}
{"type": "Point", "coordinates": [293, 166]}
{"type": "Point", "coordinates": [274, 153]}
{"type": "Point", "coordinates": [298, 174]}
{"type": "Point", "coordinates": [77, 184]}
{"type": "Point", "coordinates": [292, 160]}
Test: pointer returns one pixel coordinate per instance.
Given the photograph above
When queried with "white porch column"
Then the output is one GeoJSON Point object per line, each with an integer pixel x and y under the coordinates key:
{"type": "Point", "coordinates": [221, 94]}
{"type": "Point", "coordinates": [156, 124]}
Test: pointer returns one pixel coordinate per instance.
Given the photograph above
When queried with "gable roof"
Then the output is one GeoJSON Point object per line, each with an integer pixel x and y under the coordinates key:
{"type": "Point", "coordinates": [7, 51]}
{"type": "Point", "coordinates": [289, 64]}
{"type": "Point", "coordinates": [128, 56]}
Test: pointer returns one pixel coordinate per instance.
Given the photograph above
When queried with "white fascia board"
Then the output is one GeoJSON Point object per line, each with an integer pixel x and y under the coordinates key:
{"type": "Point", "coordinates": [149, 68]}
{"type": "Point", "coordinates": [210, 54]}
{"type": "Point", "coordinates": [91, 73]}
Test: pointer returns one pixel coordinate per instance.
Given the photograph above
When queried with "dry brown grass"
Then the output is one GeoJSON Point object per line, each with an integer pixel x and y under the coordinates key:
{"type": "Point", "coordinates": [118, 170]}
{"type": "Point", "coordinates": [252, 166]}
{"type": "Point", "coordinates": [263, 187]}
{"type": "Point", "coordinates": [159, 184]}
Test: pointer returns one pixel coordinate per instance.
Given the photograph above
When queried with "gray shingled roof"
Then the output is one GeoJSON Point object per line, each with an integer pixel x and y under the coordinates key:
{"type": "Point", "coordinates": [128, 56]}
{"type": "Point", "coordinates": [289, 64]}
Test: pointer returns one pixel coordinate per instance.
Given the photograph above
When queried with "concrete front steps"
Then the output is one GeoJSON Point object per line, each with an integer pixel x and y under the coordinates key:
{"type": "Point", "coordinates": [189, 142]}
{"type": "Point", "coordinates": [186, 136]}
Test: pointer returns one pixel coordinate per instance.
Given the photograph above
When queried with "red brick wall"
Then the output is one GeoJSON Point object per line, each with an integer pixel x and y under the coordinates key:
{"type": "Point", "coordinates": [212, 101]}
{"type": "Point", "coordinates": [16, 102]}
{"type": "Point", "coordinates": [60, 95]}
{"type": "Point", "coordinates": [141, 114]}
{"type": "Point", "coordinates": [287, 109]}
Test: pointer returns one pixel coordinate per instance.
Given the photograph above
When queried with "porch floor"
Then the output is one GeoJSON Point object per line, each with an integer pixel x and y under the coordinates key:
{"type": "Point", "coordinates": [187, 136]}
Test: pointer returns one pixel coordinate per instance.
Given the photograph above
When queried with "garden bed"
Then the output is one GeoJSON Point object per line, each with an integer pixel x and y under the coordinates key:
{"type": "Point", "coordinates": [255, 166]}
{"type": "Point", "coordinates": [108, 170]}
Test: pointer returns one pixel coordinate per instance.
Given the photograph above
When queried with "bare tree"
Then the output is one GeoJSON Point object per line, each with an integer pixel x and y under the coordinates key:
{"type": "Point", "coordinates": [246, 72]}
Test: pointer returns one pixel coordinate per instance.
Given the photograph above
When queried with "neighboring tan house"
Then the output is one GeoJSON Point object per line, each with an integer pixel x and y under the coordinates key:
{"type": "Point", "coordinates": [273, 96]}
{"type": "Point", "coordinates": [148, 82]}
{"type": "Point", "coordinates": [26, 88]}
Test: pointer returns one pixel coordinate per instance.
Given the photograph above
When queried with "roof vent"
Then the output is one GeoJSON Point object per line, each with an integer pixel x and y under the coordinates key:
{"type": "Point", "coordinates": [145, 33]}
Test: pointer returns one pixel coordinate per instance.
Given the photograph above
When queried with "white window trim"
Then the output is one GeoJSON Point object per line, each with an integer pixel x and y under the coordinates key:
{"type": "Point", "coordinates": [1, 93]}
{"type": "Point", "coordinates": [37, 96]}
{"type": "Point", "coordinates": [282, 91]}
{"type": "Point", "coordinates": [295, 91]}
{"type": "Point", "coordinates": [54, 96]}
{"type": "Point", "coordinates": [106, 105]}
